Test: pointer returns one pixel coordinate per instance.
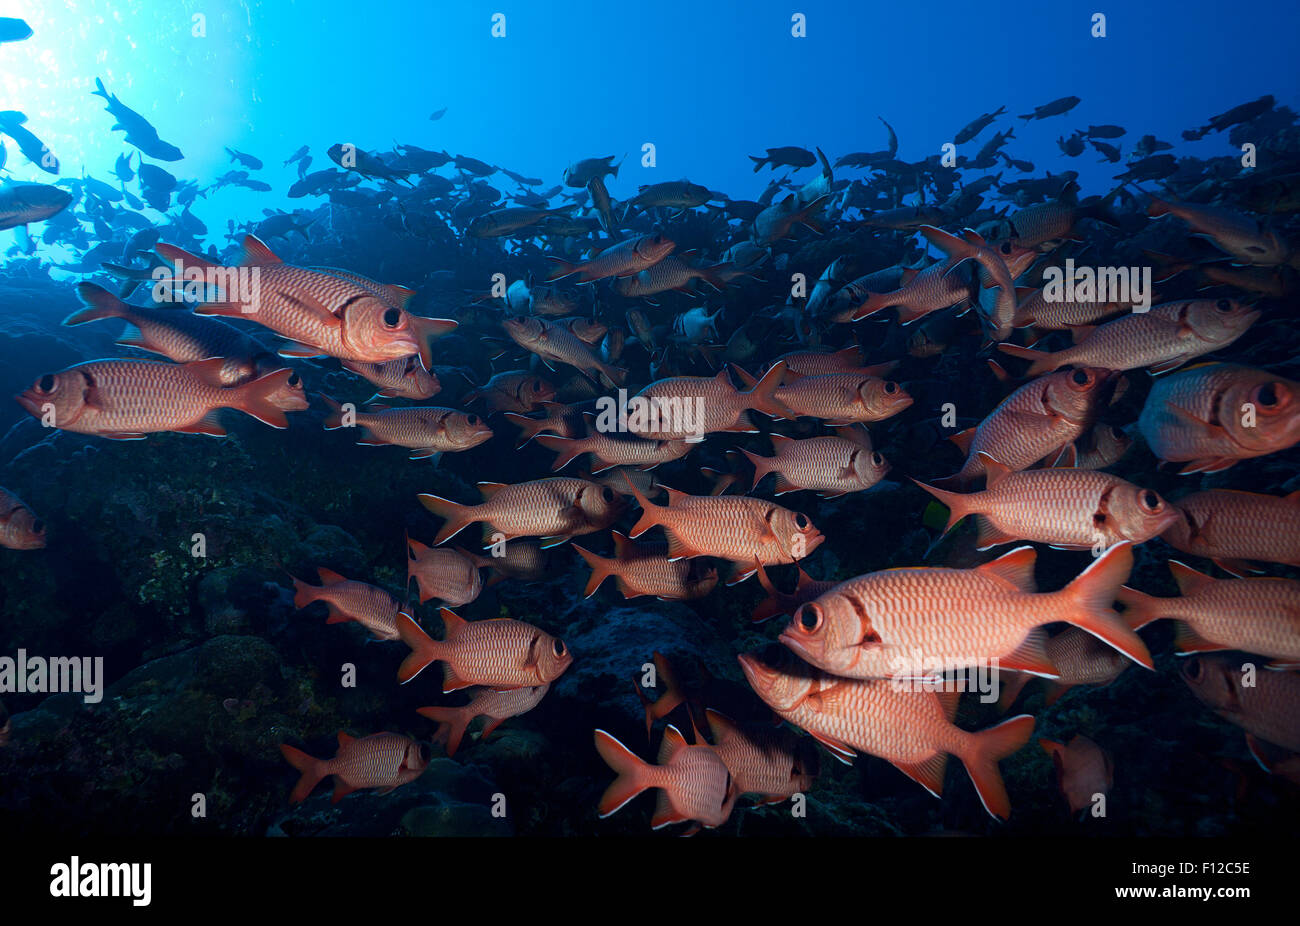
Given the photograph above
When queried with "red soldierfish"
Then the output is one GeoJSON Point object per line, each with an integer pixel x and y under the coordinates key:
{"type": "Point", "coordinates": [348, 600]}
{"type": "Point", "coordinates": [693, 781]}
{"type": "Point", "coordinates": [126, 399]}
{"type": "Point", "coordinates": [499, 653]}
{"type": "Point", "coordinates": [382, 760]}
{"type": "Point", "coordinates": [1083, 770]}
{"type": "Point", "coordinates": [912, 729]}
{"type": "Point", "coordinates": [554, 509]}
{"type": "Point", "coordinates": [497, 706]}
{"type": "Point", "coordinates": [1231, 528]}
{"type": "Point", "coordinates": [914, 622]}
{"type": "Point", "coordinates": [20, 529]}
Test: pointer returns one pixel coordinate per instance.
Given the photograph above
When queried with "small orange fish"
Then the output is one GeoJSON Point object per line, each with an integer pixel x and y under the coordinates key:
{"type": "Point", "coordinates": [831, 466]}
{"type": "Point", "coordinates": [403, 378]}
{"type": "Point", "coordinates": [515, 391]}
{"type": "Point", "coordinates": [450, 575]}
{"type": "Point", "coordinates": [1079, 658]}
{"type": "Point", "coordinates": [1254, 615]}
{"type": "Point", "coordinates": [913, 622]}
{"type": "Point", "coordinates": [1083, 770]}
{"type": "Point", "coordinates": [687, 407]}
{"type": "Point", "coordinates": [1232, 528]}
{"type": "Point", "coordinates": [670, 695]}
{"type": "Point", "coordinates": [554, 509]}
{"type": "Point", "coordinates": [608, 450]}
{"type": "Point", "coordinates": [1074, 509]}
{"type": "Point", "coordinates": [912, 729]}
{"type": "Point", "coordinates": [497, 706]}
{"type": "Point", "coordinates": [381, 760]}
{"type": "Point", "coordinates": [750, 532]}
{"type": "Point", "coordinates": [425, 430]}
{"type": "Point", "coordinates": [764, 761]}
{"type": "Point", "coordinates": [348, 600]}
{"type": "Point", "coordinates": [693, 781]}
{"type": "Point", "coordinates": [20, 529]}
{"type": "Point", "coordinates": [1216, 414]}
{"type": "Point", "coordinates": [557, 419]}
{"type": "Point", "coordinates": [1268, 709]}
{"type": "Point", "coordinates": [640, 572]}
{"type": "Point", "coordinates": [840, 398]}
{"type": "Point", "coordinates": [554, 342]}
{"type": "Point", "coordinates": [499, 653]}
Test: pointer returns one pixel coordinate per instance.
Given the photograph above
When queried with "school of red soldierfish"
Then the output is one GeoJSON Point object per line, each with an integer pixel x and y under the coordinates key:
{"type": "Point", "coordinates": [868, 661]}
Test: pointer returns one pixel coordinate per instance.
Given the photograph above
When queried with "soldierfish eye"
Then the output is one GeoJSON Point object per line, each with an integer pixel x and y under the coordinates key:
{"type": "Point", "coordinates": [1223, 305]}
{"type": "Point", "coordinates": [877, 459]}
{"type": "Point", "coordinates": [801, 521]}
{"type": "Point", "coordinates": [1192, 669]}
{"type": "Point", "coordinates": [1081, 377]}
{"type": "Point", "coordinates": [1151, 501]}
{"type": "Point", "coordinates": [392, 317]}
{"type": "Point", "coordinates": [46, 383]}
{"type": "Point", "coordinates": [294, 379]}
{"type": "Point", "coordinates": [891, 388]}
{"type": "Point", "coordinates": [1267, 395]}
{"type": "Point", "coordinates": [558, 647]}
{"type": "Point", "coordinates": [472, 419]}
{"type": "Point", "coordinates": [808, 618]}
{"type": "Point", "coordinates": [38, 526]}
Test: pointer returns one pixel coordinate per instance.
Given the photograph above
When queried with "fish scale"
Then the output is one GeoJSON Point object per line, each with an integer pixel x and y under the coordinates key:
{"type": "Point", "coordinates": [1082, 659]}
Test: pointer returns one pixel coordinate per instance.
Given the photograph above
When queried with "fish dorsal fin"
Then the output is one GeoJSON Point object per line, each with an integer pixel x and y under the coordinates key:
{"type": "Point", "coordinates": [254, 252]}
{"type": "Point", "coordinates": [720, 725]}
{"type": "Point", "coordinates": [994, 470]}
{"type": "Point", "coordinates": [674, 496]}
{"type": "Point", "coordinates": [452, 622]}
{"type": "Point", "coordinates": [329, 576]}
{"type": "Point", "coordinates": [489, 489]}
{"type": "Point", "coordinates": [345, 740]}
{"type": "Point", "coordinates": [672, 744]}
{"type": "Point", "coordinates": [962, 439]}
{"type": "Point", "coordinates": [402, 295]}
{"type": "Point", "coordinates": [779, 441]}
{"type": "Point", "coordinates": [909, 273]}
{"type": "Point", "coordinates": [1016, 567]}
{"type": "Point", "coordinates": [208, 370]}
{"type": "Point", "coordinates": [623, 547]}
{"type": "Point", "coordinates": [1293, 497]}
{"type": "Point", "coordinates": [1189, 580]}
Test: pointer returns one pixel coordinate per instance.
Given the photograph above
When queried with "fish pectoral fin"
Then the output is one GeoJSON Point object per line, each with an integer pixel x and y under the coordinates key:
{"type": "Point", "coordinates": [1238, 567]}
{"type": "Point", "coordinates": [928, 774]}
{"type": "Point", "coordinates": [1183, 415]}
{"type": "Point", "coordinates": [209, 424]}
{"type": "Point", "coordinates": [313, 307]}
{"type": "Point", "coordinates": [299, 351]}
{"type": "Point", "coordinates": [1187, 640]}
{"type": "Point", "coordinates": [841, 750]}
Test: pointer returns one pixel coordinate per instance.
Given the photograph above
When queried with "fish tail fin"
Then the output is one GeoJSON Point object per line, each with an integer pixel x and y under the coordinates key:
{"type": "Point", "coordinates": [762, 466]}
{"type": "Point", "coordinates": [312, 770]}
{"type": "Point", "coordinates": [981, 761]}
{"type": "Point", "coordinates": [303, 593]}
{"type": "Point", "coordinates": [174, 255]}
{"type": "Point", "coordinates": [1040, 361]}
{"type": "Point", "coordinates": [1140, 608]}
{"type": "Point", "coordinates": [428, 330]}
{"type": "Point", "coordinates": [875, 302]}
{"type": "Point", "coordinates": [959, 504]}
{"type": "Point", "coordinates": [1091, 596]}
{"type": "Point", "coordinates": [334, 420]}
{"type": "Point", "coordinates": [99, 303]}
{"type": "Point", "coordinates": [528, 427]}
{"type": "Point", "coordinates": [452, 723]}
{"type": "Point", "coordinates": [566, 449]}
{"type": "Point", "coordinates": [424, 649]}
{"type": "Point", "coordinates": [458, 516]}
{"type": "Point", "coordinates": [649, 511]}
{"type": "Point", "coordinates": [762, 397]}
{"type": "Point", "coordinates": [560, 268]}
{"type": "Point", "coordinates": [601, 569]}
{"type": "Point", "coordinates": [258, 398]}
{"type": "Point", "coordinates": [631, 771]}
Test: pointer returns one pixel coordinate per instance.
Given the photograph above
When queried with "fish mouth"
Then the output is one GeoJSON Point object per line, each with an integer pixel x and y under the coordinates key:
{"type": "Point", "coordinates": [29, 403]}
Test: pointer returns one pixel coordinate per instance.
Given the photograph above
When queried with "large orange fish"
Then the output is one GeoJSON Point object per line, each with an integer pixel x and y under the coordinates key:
{"type": "Point", "coordinates": [349, 600]}
{"type": "Point", "coordinates": [750, 532]}
{"type": "Point", "coordinates": [127, 399]}
{"type": "Point", "coordinates": [497, 706]}
{"type": "Point", "coordinates": [840, 398]}
{"type": "Point", "coordinates": [499, 653]}
{"type": "Point", "coordinates": [693, 781]}
{"type": "Point", "coordinates": [608, 450]}
{"type": "Point", "coordinates": [1232, 528]}
{"type": "Point", "coordinates": [20, 529]}
{"type": "Point", "coordinates": [1073, 509]}
{"type": "Point", "coordinates": [1212, 416]}
{"type": "Point", "coordinates": [1254, 615]}
{"type": "Point", "coordinates": [638, 571]}
{"type": "Point", "coordinates": [320, 311]}
{"type": "Point", "coordinates": [1034, 423]}
{"type": "Point", "coordinates": [912, 729]}
{"type": "Point", "coordinates": [912, 622]}
{"type": "Point", "coordinates": [381, 760]}
{"type": "Point", "coordinates": [1079, 658]}
{"type": "Point", "coordinates": [554, 509]}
